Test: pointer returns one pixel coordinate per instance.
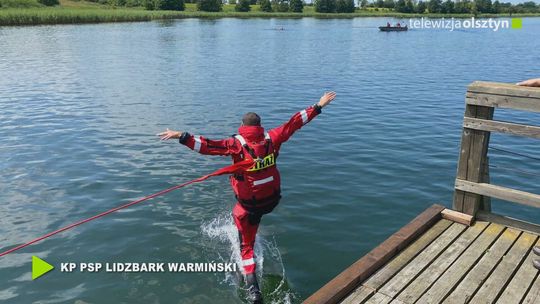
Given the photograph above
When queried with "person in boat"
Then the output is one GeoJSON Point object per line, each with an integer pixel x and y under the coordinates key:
{"type": "Point", "coordinates": [257, 190]}
{"type": "Point", "coordinates": [388, 24]}
{"type": "Point", "coordinates": [398, 24]}
{"type": "Point", "coordinates": [533, 83]}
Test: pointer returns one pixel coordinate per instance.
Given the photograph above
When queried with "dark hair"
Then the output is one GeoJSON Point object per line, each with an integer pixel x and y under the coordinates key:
{"type": "Point", "coordinates": [251, 119]}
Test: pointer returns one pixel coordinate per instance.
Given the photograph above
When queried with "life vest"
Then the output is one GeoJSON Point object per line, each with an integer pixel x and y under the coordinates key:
{"type": "Point", "coordinates": [258, 188]}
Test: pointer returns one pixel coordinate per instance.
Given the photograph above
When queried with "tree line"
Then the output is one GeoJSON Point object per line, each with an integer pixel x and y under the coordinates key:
{"type": "Point", "coordinates": [452, 7]}
{"type": "Point", "coordinates": [348, 6]}
{"type": "Point", "coordinates": [336, 6]}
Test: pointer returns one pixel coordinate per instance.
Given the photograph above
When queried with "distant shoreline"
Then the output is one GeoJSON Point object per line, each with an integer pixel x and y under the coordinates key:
{"type": "Point", "coordinates": [72, 15]}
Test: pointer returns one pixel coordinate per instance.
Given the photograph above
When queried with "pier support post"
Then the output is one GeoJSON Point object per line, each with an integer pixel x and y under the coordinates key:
{"type": "Point", "coordinates": [473, 163]}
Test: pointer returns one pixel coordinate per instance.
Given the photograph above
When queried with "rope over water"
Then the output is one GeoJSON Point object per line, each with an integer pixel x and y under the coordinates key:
{"type": "Point", "coordinates": [234, 168]}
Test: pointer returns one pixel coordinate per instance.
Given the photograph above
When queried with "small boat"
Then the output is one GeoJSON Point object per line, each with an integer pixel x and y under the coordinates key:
{"type": "Point", "coordinates": [393, 28]}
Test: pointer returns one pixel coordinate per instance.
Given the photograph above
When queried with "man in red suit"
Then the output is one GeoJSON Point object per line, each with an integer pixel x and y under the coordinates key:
{"type": "Point", "coordinates": [257, 190]}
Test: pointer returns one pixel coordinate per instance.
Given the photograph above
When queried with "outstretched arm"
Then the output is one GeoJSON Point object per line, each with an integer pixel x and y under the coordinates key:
{"type": "Point", "coordinates": [282, 133]}
{"type": "Point", "coordinates": [530, 83]}
{"type": "Point", "coordinates": [199, 143]}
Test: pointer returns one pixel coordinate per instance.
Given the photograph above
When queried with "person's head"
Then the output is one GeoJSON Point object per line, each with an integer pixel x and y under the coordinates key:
{"type": "Point", "coordinates": [251, 119]}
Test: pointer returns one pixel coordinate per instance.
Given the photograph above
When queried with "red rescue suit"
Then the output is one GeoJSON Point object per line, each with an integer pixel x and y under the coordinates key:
{"type": "Point", "coordinates": [257, 190]}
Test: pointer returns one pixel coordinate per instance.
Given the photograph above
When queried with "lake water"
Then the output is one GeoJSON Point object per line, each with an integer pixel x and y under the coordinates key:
{"type": "Point", "coordinates": [80, 106]}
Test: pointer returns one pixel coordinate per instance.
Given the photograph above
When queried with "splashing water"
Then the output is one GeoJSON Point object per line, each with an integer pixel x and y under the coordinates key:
{"type": "Point", "coordinates": [225, 244]}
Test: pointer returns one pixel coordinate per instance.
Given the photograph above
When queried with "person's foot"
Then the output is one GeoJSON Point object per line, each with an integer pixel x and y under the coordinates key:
{"type": "Point", "coordinates": [536, 250]}
{"type": "Point", "coordinates": [253, 291]}
{"type": "Point", "coordinates": [536, 264]}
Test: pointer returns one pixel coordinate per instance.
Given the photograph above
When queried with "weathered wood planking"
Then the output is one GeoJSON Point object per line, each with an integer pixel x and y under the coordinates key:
{"type": "Point", "coordinates": [445, 283]}
{"type": "Point", "coordinates": [503, 89]}
{"type": "Point", "coordinates": [458, 217]}
{"type": "Point", "coordinates": [421, 283]}
{"type": "Point", "coordinates": [379, 298]}
{"type": "Point", "coordinates": [503, 95]}
{"type": "Point", "coordinates": [503, 101]}
{"type": "Point", "coordinates": [339, 287]}
{"type": "Point", "coordinates": [507, 194]}
{"type": "Point", "coordinates": [501, 127]}
{"type": "Point", "coordinates": [517, 289]}
{"type": "Point", "coordinates": [395, 285]}
{"type": "Point", "coordinates": [533, 296]}
{"type": "Point", "coordinates": [359, 295]}
{"type": "Point", "coordinates": [472, 158]}
{"type": "Point", "coordinates": [493, 286]}
{"type": "Point", "coordinates": [396, 264]}
{"type": "Point", "coordinates": [508, 221]}
{"type": "Point", "coordinates": [476, 276]}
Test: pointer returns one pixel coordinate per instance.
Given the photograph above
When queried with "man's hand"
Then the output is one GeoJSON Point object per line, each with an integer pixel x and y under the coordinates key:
{"type": "Point", "coordinates": [530, 83]}
{"type": "Point", "coordinates": [326, 99]}
{"type": "Point", "coordinates": [169, 134]}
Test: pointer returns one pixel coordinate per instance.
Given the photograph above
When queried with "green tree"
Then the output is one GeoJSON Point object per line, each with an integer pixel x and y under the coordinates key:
{"type": "Point", "coordinates": [363, 3]}
{"type": "Point", "coordinates": [389, 4]}
{"type": "Point", "coordinates": [434, 6]}
{"type": "Point", "coordinates": [379, 3]}
{"type": "Point", "coordinates": [325, 6]}
{"type": "Point", "coordinates": [399, 6]}
{"type": "Point", "coordinates": [345, 6]}
{"type": "Point", "coordinates": [447, 7]}
{"type": "Point", "coordinates": [296, 6]}
{"type": "Point", "coordinates": [496, 8]}
{"type": "Point", "coordinates": [462, 7]}
{"type": "Point", "coordinates": [420, 7]}
{"type": "Point", "coordinates": [409, 6]}
{"type": "Point", "coordinates": [49, 2]}
{"type": "Point", "coordinates": [171, 5]}
{"type": "Point", "coordinates": [209, 5]}
{"type": "Point", "coordinates": [243, 6]}
{"type": "Point", "coordinates": [281, 6]}
{"type": "Point", "coordinates": [265, 5]}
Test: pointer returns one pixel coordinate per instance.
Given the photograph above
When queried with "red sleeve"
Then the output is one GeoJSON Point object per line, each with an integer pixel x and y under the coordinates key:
{"type": "Point", "coordinates": [282, 133]}
{"type": "Point", "coordinates": [209, 147]}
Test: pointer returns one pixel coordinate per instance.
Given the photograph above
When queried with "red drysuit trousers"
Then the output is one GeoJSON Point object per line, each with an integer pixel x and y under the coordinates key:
{"type": "Point", "coordinates": [247, 226]}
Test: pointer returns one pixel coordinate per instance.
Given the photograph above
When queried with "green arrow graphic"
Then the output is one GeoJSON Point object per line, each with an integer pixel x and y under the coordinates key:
{"type": "Point", "coordinates": [40, 267]}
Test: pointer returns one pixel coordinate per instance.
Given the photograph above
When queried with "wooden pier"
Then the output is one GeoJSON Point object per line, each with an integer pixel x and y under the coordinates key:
{"type": "Point", "coordinates": [465, 255]}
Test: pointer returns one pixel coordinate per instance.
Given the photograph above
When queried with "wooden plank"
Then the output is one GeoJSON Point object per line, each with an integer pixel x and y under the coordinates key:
{"type": "Point", "coordinates": [476, 276]}
{"type": "Point", "coordinates": [458, 217]}
{"type": "Point", "coordinates": [396, 264]}
{"type": "Point", "coordinates": [533, 296]}
{"type": "Point", "coordinates": [464, 152]}
{"type": "Point", "coordinates": [445, 284]}
{"type": "Point", "coordinates": [485, 204]}
{"type": "Point", "coordinates": [503, 89]}
{"type": "Point", "coordinates": [503, 101]}
{"type": "Point", "coordinates": [379, 298]}
{"type": "Point", "coordinates": [346, 281]}
{"type": "Point", "coordinates": [508, 221]}
{"type": "Point", "coordinates": [360, 295]}
{"type": "Point", "coordinates": [472, 159]}
{"type": "Point", "coordinates": [395, 285]}
{"type": "Point", "coordinates": [507, 194]}
{"type": "Point", "coordinates": [421, 283]}
{"type": "Point", "coordinates": [493, 286]}
{"type": "Point", "coordinates": [501, 127]}
{"type": "Point", "coordinates": [517, 289]}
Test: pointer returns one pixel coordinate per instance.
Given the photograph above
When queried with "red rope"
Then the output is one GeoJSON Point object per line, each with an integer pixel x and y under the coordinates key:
{"type": "Point", "coordinates": [240, 166]}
